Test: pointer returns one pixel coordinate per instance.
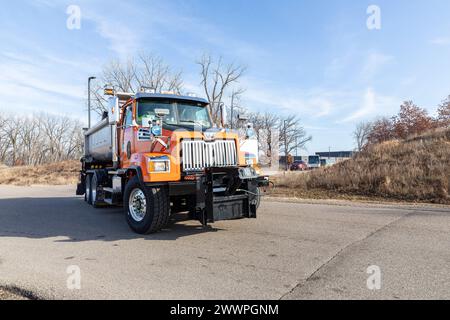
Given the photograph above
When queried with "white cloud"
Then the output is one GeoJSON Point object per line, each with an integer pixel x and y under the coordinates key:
{"type": "Point", "coordinates": [441, 41]}
{"type": "Point", "coordinates": [374, 63]}
{"type": "Point", "coordinates": [26, 75]}
{"type": "Point", "coordinates": [368, 106]}
{"type": "Point", "coordinates": [43, 3]}
{"type": "Point", "coordinates": [161, 24]}
{"type": "Point", "coordinates": [312, 103]}
{"type": "Point", "coordinates": [123, 40]}
{"type": "Point", "coordinates": [372, 104]}
{"type": "Point", "coordinates": [35, 84]}
{"type": "Point", "coordinates": [408, 81]}
{"type": "Point", "coordinates": [34, 101]}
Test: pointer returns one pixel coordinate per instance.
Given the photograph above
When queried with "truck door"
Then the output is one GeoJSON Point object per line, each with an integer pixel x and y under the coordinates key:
{"type": "Point", "coordinates": [127, 143]}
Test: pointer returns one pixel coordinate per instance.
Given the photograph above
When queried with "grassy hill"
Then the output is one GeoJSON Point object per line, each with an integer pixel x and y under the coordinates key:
{"type": "Point", "coordinates": [60, 173]}
{"type": "Point", "coordinates": [416, 169]}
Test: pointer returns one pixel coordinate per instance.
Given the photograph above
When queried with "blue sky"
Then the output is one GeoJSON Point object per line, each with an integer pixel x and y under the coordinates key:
{"type": "Point", "coordinates": [316, 59]}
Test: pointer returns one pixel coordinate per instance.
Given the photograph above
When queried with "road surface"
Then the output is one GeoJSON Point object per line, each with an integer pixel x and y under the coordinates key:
{"type": "Point", "coordinates": [292, 251]}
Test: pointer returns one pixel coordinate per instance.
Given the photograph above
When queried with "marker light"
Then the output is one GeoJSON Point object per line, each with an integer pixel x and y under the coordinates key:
{"type": "Point", "coordinates": [109, 92]}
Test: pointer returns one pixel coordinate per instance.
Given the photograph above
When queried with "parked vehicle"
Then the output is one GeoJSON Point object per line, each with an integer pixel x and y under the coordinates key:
{"type": "Point", "coordinates": [299, 165]}
{"type": "Point", "coordinates": [313, 162]}
{"type": "Point", "coordinates": [159, 154]}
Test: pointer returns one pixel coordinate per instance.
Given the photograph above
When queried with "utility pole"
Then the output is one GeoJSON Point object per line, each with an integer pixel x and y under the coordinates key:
{"type": "Point", "coordinates": [222, 114]}
{"type": "Point", "coordinates": [285, 144]}
{"type": "Point", "coordinates": [296, 147]}
{"type": "Point", "coordinates": [232, 109]}
{"type": "Point", "coordinates": [89, 100]}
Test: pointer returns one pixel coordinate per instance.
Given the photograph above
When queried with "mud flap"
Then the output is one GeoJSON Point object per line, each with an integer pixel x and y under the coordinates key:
{"type": "Point", "coordinates": [81, 188]}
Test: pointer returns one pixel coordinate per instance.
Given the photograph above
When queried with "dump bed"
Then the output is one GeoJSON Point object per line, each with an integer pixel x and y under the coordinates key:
{"type": "Point", "coordinates": [101, 139]}
{"type": "Point", "coordinates": [98, 141]}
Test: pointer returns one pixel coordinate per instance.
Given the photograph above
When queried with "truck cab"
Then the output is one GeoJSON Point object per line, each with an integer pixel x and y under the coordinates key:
{"type": "Point", "coordinates": [158, 154]}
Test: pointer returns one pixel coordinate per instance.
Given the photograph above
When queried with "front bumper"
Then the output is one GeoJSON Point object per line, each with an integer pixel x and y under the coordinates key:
{"type": "Point", "coordinates": [226, 194]}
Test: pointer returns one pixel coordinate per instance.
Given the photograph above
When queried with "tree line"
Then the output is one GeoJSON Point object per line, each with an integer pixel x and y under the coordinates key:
{"type": "Point", "coordinates": [39, 139]}
{"type": "Point", "coordinates": [411, 120]}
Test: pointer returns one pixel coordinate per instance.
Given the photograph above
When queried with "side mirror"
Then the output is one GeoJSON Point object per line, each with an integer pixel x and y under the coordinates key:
{"type": "Point", "coordinates": [250, 132]}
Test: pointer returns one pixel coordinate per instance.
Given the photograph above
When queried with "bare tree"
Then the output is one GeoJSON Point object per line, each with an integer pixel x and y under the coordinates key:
{"type": "Point", "coordinates": [11, 129]}
{"type": "Point", "coordinates": [217, 78]}
{"type": "Point", "coordinates": [292, 135]}
{"type": "Point", "coordinates": [121, 75]}
{"type": "Point", "coordinates": [4, 141]}
{"type": "Point", "coordinates": [265, 126]}
{"type": "Point", "coordinates": [39, 139]}
{"type": "Point", "coordinates": [361, 134]}
{"type": "Point", "coordinates": [30, 135]}
{"type": "Point", "coordinates": [234, 109]}
{"type": "Point", "coordinates": [154, 73]}
{"type": "Point", "coordinates": [146, 70]}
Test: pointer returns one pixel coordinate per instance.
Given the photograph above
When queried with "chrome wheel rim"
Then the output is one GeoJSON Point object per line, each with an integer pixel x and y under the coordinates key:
{"type": "Point", "coordinates": [137, 205]}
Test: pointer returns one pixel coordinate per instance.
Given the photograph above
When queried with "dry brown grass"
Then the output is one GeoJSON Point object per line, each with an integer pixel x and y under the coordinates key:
{"type": "Point", "coordinates": [417, 169]}
{"type": "Point", "coordinates": [61, 173]}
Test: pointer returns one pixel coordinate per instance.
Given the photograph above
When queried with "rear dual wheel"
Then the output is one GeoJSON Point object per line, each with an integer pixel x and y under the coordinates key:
{"type": "Point", "coordinates": [91, 190]}
{"type": "Point", "coordinates": [87, 189]}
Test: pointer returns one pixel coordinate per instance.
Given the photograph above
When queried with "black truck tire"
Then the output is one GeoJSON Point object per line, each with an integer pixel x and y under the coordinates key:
{"type": "Point", "coordinates": [88, 190]}
{"type": "Point", "coordinates": [96, 203]}
{"type": "Point", "coordinates": [147, 209]}
{"type": "Point", "coordinates": [258, 198]}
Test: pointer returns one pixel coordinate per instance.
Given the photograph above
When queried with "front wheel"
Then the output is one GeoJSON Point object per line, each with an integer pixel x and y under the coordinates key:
{"type": "Point", "coordinates": [258, 197]}
{"type": "Point", "coordinates": [147, 209]}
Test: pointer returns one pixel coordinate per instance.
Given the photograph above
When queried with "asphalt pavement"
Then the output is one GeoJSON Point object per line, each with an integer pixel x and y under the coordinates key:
{"type": "Point", "coordinates": [57, 247]}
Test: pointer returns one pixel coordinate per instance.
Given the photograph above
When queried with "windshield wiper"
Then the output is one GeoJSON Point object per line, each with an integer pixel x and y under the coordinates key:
{"type": "Point", "coordinates": [188, 121]}
{"type": "Point", "coordinates": [193, 122]}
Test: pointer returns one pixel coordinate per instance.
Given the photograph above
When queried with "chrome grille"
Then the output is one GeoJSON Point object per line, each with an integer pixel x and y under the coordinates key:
{"type": "Point", "coordinates": [198, 154]}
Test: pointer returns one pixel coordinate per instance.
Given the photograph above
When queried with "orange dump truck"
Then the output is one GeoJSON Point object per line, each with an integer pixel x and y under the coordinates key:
{"type": "Point", "coordinates": [159, 154]}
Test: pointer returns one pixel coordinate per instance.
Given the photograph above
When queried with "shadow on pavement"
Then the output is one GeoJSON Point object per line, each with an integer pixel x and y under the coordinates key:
{"type": "Point", "coordinates": [72, 218]}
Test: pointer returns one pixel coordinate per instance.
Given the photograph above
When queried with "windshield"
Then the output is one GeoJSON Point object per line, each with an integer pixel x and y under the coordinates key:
{"type": "Point", "coordinates": [179, 113]}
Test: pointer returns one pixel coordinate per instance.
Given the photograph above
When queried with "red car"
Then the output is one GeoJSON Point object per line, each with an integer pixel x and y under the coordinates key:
{"type": "Point", "coordinates": [299, 166]}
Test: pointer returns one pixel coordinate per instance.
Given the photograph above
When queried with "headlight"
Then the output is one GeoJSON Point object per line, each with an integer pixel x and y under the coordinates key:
{"type": "Point", "coordinates": [158, 165]}
{"type": "Point", "coordinates": [247, 173]}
